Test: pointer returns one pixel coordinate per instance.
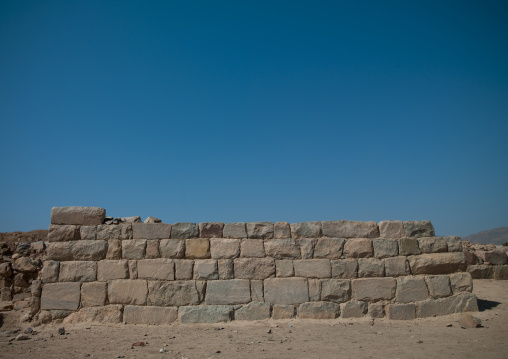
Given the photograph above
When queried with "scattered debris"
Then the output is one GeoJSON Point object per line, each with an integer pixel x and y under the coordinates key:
{"type": "Point", "coordinates": [162, 350]}
{"type": "Point", "coordinates": [22, 337]}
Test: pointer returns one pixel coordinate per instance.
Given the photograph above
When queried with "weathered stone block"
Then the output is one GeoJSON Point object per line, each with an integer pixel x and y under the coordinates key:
{"type": "Point", "coordinates": [225, 248]}
{"type": "Point", "coordinates": [117, 231]}
{"type": "Point", "coordinates": [256, 290]}
{"type": "Point", "coordinates": [353, 309]}
{"type": "Point", "coordinates": [114, 249]}
{"type": "Point", "coordinates": [396, 266]}
{"type": "Point", "coordinates": [176, 293]}
{"type": "Point", "coordinates": [370, 267]}
{"type": "Point", "coordinates": [109, 314]}
{"type": "Point", "coordinates": [391, 229]}
{"type": "Point", "coordinates": [335, 290]}
{"type": "Point", "coordinates": [235, 230]}
{"type": "Point", "coordinates": [437, 263]}
{"type": "Point", "coordinates": [376, 310]}
{"type": "Point", "coordinates": [373, 289]}
{"type": "Point", "coordinates": [419, 229]}
{"type": "Point", "coordinates": [501, 272]}
{"type": "Point", "coordinates": [260, 230]}
{"type": "Point", "coordinates": [133, 269]}
{"type": "Point", "coordinates": [24, 265]}
{"type": "Point", "coordinates": [252, 248]}
{"type": "Point", "coordinates": [78, 271]}
{"type": "Point", "coordinates": [306, 247]}
{"type": "Point", "coordinates": [281, 230]}
{"type": "Point", "coordinates": [286, 290]}
{"type": "Point", "coordinates": [185, 230]}
{"type": "Point", "coordinates": [196, 248]}
{"type": "Point", "coordinates": [149, 315]}
{"type": "Point", "coordinates": [465, 302]}
{"type": "Point", "coordinates": [132, 219]}
{"type": "Point", "coordinates": [234, 291]}
{"type": "Point", "coordinates": [350, 229]}
{"type": "Point", "coordinates": [172, 248]}
{"type": "Point", "coordinates": [134, 248]}
{"type": "Point", "coordinates": [411, 289]}
{"type": "Point", "coordinates": [282, 248]}
{"type": "Point", "coordinates": [93, 294]}
{"type": "Point", "coordinates": [50, 271]}
{"type": "Point", "coordinates": [64, 296]}
{"type": "Point", "coordinates": [254, 268]}
{"type": "Point", "coordinates": [344, 268]}
{"type": "Point", "coordinates": [284, 268]}
{"type": "Point", "coordinates": [358, 248]}
{"type": "Point", "coordinates": [151, 230]}
{"type": "Point", "coordinates": [408, 246]}
{"type": "Point", "coordinates": [152, 249]}
{"type": "Point", "coordinates": [438, 285]}
{"type": "Point", "coordinates": [211, 229]}
{"type": "Point", "coordinates": [156, 269]}
{"type": "Point", "coordinates": [36, 288]}
{"type": "Point", "coordinates": [88, 232]}
{"type": "Point", "coordinates": [77, 251]}
{"type": "Point", "coordinates": [330, 248]}
{"type": "Point", "coordinates": [281, 311]}
{"type": "Point", "coordinates": [454, 243]}
{"type": "Point", "coordinates": [432, 244]}
{"type": "Point", "coordinates": [184, 269]}
{"type": "Point", "coordinates": [461, 282]}
{"type": "Point", "coordinates": [314, 289]}
{"type": "Point", "coordinates": [495, 257]}
{"type": "Point", "coordinates": [313, 268]}
{"type": "Point", "coordinates": [481, 271]}
{"type": "Point", "coordinates": [384, 248]}
{"type": "Point", "coordinates": [5, 270]}
{"type": "Point", "coordinates": [253, 311]}
{"type": "Point", "coordinates": [61, 233]}
{"type": "Point", "coordinates": [87, 216]}
{"type": "Point", "coordinates": [152, 220]}
{"type": "Point", "coordinates": [306, 229]}
{"type": "Point", "coordinates": [318, 310]}
{"type": "Point", "coordinates": [127, 291]}
{"type": "Point", "coordinates": [225, 267]}
{"type": "Point", "coordinates": [401, 311]}
{"type": "Point", "coordinates": [206, 269]}
{"type": "Point", "coordinates": [205, 314]}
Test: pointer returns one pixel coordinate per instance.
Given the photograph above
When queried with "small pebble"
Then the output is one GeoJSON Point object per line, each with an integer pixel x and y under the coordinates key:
{"type": "Point", "coordinates": [61, 331]}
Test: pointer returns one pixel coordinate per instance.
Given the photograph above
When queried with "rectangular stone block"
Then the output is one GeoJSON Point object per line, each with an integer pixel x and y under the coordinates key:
{"type": "Point", "coordinates": [282, 311]}
{"type": "Point", "coordinates": [461, 282]}
{"type": "Point", "coordinates": [396, 266]}
{"type": "Point", "coordinates": [254, 268]}
{"type": "Point", "coordinates": [330, 248]}
{"type": "Point", "coordinates": [133, 269]}
{"type": "Point", "coordinates": [376, 310]}
{"type": "Point", "coordinates": [78, 271]}
{"type": "Point", "coordinates": [156, 269]}
{"type": "Point", "coordinates": [284, 268]}
{"type": "Point", "coordinates": [176, 293]}
{"type": "Point", "coordinates": [211, 229]}
{"type": "Point", "coordinates": [495, 257]}
{"type": "Point", "coordinates": [481, 271]}
{"type": "Point", "coordinates": [306, 247]}
{"type": "Point", "coordinates": [88, 232]}
{"type": "Point", "coordinates": [225, 268]}
{"type": "Point", "coordinates": [185, 230]}
{"type": "Point", "coordinates": [134, 248]}
{"type": "Point", "coordinates": [114, 249]}
{"type": "Point", "coordinates": [318, 310]}
{"type": "Point", "coordinates": [253, 311]}
{"type": "Point", "coordinates": [184, 269]}
{"type": "Point", "coordinates": [306, 229]}
{"type": "Point", "coordinates": [93, 294]}
{"type": "Point", "coordinates": [127, 291]}
{"type": "Point", "coordinates": [411, 289]}
{"type": "Point", "coordinates": [391, 229]}
{"type": "Point", "coordinates": [344, 268]}
{"type": "Point", "coordinates": [260, 230]}
{"type": "Point", "coordinates": [384, 248]}
{"type": "Point", "coordinates": [373, 289]}
{"type": "Point", "coordinates": [408, 246]}
{"type": "Point", "coordinates": [281, 230]}
{"type": "Point", "coordinates": [501, 272]}
{"type": "Point", "coordinates": [370, 267]}
{"type": "Point", "coordinates": [439, 286]}
{"type": "Point", "coordinates": [314, 289]}
{"type": "Point", "coordinates": [152, 249]}
{"type": "Point", "coordinates": [205, 314]}
{"type": "Point", "coordinates": [465, 302]}
{"type": "Point", "coordinates": [77, 250]}
{"type": "Point", "coordinates": [60, 296]}
{"type": "Point", "coordinates": [419, 229]}
{"type": "Point", "coordinates": [206, 269]}
{"type": "Point", "coordinates": [432, 244]}
{"type": "Point", "coordinates": [50, 271]}
{"type": "Point", "coordinates": [437, 263]}
{"type": "Point", "coordinates": [358, 248]}
{"type": "Point", "coordinates": [234, 291]}
{"type": "Point", "coordinates": [401, 311]}
{"type": "Point", "coordinates": [335, 290]}
{"type": "Point", "coordinates": [353, 309]}
{"type": "Point", "coordinates": [151, 230]}
{"type": "Point", "coordinates": [134, 314]}
{"type": "Point", "coordinates": [282, 248]}
{"type": "Point", "coordinates": [87, 216]}
{"type": "Point", "coordinates": [172, 248]}
{"type": "Point", "coordinates": [252, 248]}
{"type": "Point", "coordinates": [114, 231]}
{"type": "Point", "coordinates": [313, 268]}
{"type": "Point", "coordinates": [235, 230]}
{"type": "Point", "coordinates": [286, 290]}
{"type": "Point", "coordinates": [197, 248]}
{"type": "Point", "coordinates": [350, 229]}
{"type": "Point", "coordinates": [109, 314]}
{"type": "Point", "coordinates": [454, 243]}
{"type": "Point", "coordinates": [225, 248]}
{"type": "Point", "coordinates": [61, 233]}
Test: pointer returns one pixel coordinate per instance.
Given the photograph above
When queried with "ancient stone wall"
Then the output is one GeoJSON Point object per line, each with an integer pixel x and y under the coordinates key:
{"type": "Point", "coordinates": [158, 273]}
{"type": "Point", "coordinates": [486, 261]}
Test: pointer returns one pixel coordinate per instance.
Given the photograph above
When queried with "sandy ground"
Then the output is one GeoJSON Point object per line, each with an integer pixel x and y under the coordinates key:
{"type": "Point", "coordinates": [439, 337]}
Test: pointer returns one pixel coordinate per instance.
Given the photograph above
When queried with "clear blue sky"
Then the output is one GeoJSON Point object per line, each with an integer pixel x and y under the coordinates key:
{"type": "Point", "coordinates": [255, 110]}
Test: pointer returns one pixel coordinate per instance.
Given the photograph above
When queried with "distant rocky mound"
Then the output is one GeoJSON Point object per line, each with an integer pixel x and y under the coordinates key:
{"type": "Point", "coordinates": [494, 236]}
{"type": "Point", "coordinates": [28, 237]}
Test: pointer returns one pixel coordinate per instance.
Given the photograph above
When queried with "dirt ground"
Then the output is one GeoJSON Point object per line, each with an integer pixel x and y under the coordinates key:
{"type": "Point", "coordinates": [339, 338]}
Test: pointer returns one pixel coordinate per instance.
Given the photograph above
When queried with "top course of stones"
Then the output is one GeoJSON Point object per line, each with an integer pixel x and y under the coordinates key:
{"type": "Point", "coordinates": [86, 221]}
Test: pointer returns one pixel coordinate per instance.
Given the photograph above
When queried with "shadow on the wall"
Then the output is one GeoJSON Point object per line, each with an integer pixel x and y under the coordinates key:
{"type": "Point", "coordinates": [484, 304]}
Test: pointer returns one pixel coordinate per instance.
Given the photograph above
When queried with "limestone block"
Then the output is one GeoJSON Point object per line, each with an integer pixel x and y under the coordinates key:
{"type": "Point", "coordinates": [401, 311]}
{"type": "Point", "coordinates": [127, 291]}
{"type": "Point", "coordinates": [114, 249]}
{"type": "Point", "coordinates": [396, 266]}
{"type": "Point", "coordinates": [495, 257]}
{"type": "Point", "coordinates": [88, 232]}
{"type": "Point", "coordinates": [20, 280]}
{"type": "Point", "coordinates": [254, 268]}
{"type": "Point", "coordinates": [63, 296]}
{"type": "Point", "coordinates": [358, 248]}
{"type": "Point", "coordinates": [344, 268]}
{"type": "Point", "coordinates": [235, 230]}
{"type": "Point", "coordinates": [282, 248]}
{"type": "Point", "coordinates": [133, 248]}
{"type": "Point", "coordinates": [152, 249]}
{"type": "Point", "coordinates": [253, 311]}
{"type": "Point", "coordinates": [408, 246]}
{"type": "Point", "coordinates": [350, 229]}
{"type": "Point", "coordinates": [176, 293]}
{"type": "Point", "coordinates": [211, 229]}
{"type": "Point", "coordinates": [373, 289]}
{"type": "Point", "coordinates": [384, 248]}
{"type": "Point", "coordinates": [197, 248]}
{"type": "Point", "coordinates": [93, 294]}
{"type": "Point", "coordinates": [184, 230]}
{"type": "Point", "coordinates": [286, 290]}
{"type": "Point", "coordinates": [184, 269]}
{"type": "Point", "coordinates": [461, 282]}
{"type": "Point", "coordinates": [313, 268]}
{"type": "Point", "coordinates": [156, 269]}
{"type": "Point", "coordinates": [370, 267]}
{"type": "Point", "coordinates": [132, 219]}
{"type": "Point", "coordinates": [109, 314]}
{"type": "Point", "coordinates": [134, 314]}
{"type": "Point", "coordinates": [335, 290]}
{"type": "Point", "coordinates": [50, 271]}
{"type": "Point", "coordinates": [133, 269]}
{"type": "Point", "coordinates": [465, 302]}
{"type": "Point", "coordinates": [284, 268]}
{"type": "Point", "coordinates": [432, 244]}
{"type": "Point", "coordinates": [438, 285]}
{"type": "Point", "coordinates": [24, 265]}
{"type": "Point", "coordinates": [152, 220]}
{"type": "Point", "coordinates": [353, 309]}
{"type": "Point", "coordinates": [256, 290]}
{"type": "Point", "coordinates": [225, 268]}
{"type": "Point", "coordinates": [225, 248]}
{"type": "Point", "coordinates": [318, 310]}
{"type": "Point", "coordinates": [437, 263]}
{"type": "Point", "coordinates": [330, 248]}
{"type": "Point", "coordinates": [281, 311]}
{"type": "Point", "coordinates": [233, 291]}
{"type": "Point", "coordinates": [151, 230]}
{"type": "Point", "coordinates": [87, 216]}
{"type": "Point", "coordinates": [481, 271]}
{"type": "Point", "coordinates": [306, 247]}
{"type": "Point", "coordinates": [314, 289]}
{"type": "Point", "coordinates": [205, 314]}
{"type": "Point", "coordinates": [419, 229]}
{"type": "Point", "coordinates": [206, 269]}
{"type": "Point", "coordinates": [411, 289]}
{"type": "Point", "coordinates": [77, 250]}
{"type": "Point", "coordinates": [454, 243]}
{"type": "Point", "coordinates": [260, 230]}
{"type": "Point", "coordinates": [172, 248]}
{"type": "Point", "coordinates": [376, 310]}
{"type": "Point", "coordinates": [60, 233]}
{"type": "Point", "coordinates": [116, 231]}
{"type": "Point", "coordinates": [78, 271]}
{"type": "Point", "coordinates": [306, 229]}
{"type": "Point", "coordinates": [501, 272]}
{"type": "Point", "coordinates": [391, 229]}
{"type": "Point", "coordinates": [281, 230]}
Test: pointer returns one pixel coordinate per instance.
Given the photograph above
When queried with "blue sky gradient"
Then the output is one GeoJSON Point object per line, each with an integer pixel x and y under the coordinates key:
{"type": "Point", "coordinates": [196, 111]}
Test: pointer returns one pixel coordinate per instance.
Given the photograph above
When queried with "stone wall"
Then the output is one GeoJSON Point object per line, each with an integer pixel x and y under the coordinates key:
{"type": "Point", "coordinates": [486, 261]}
{"type": "Point", "coordinates": [158, 273]}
